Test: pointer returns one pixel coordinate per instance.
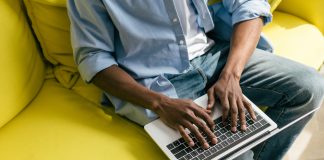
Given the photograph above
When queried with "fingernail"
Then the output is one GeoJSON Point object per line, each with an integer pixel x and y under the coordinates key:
{"type": "Point", "coordinates": [214, 140]}
{"type": "Point", "coordinates": [233, 129]}
{"type": "Point", "coordinates": [244, 127]}
{"type": "Point", "coordinates": [191, 144]}
{"type": "Point", "coordinates": [206, 145]}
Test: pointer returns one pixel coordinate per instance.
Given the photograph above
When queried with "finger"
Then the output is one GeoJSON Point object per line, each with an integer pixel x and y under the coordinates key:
{"type": "Point", "coordinates": [197, 134]}
{"type": "Point", "coordinates": [199, 111]}
{"type": "Point", "coordinates": [211, 98]}
{"type": "Point", "coordinates": [203, 127]}
{"type": "Point", "coordinates": [225, 109]}
{"type": "Point", "coordinates": [185, 136]}
{"type": "Point", "coordinates": [249, 108]}
{"type": "Point", "coordinates": [234, 113]}
{"type": "Point", "coordinates": [242, 115]}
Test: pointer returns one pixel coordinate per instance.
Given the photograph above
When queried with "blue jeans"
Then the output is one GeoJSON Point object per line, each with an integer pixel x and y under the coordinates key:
{"type": "Point", "coordinates": [288, 88]}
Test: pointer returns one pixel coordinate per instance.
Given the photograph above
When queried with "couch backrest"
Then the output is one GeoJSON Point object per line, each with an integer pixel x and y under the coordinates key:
{"type": "Point", "coordinates": [22, 69]}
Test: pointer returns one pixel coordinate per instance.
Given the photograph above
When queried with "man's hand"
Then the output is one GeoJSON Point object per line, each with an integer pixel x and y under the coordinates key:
{"type": "Point", "coordinates": [229, 92]}
{"type": "Point", "coordinates": [245, 37]}
{"type": "Point", "coordinates": [180, 114]}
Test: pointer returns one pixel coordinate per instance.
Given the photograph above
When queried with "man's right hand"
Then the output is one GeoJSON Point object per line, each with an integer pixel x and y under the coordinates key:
{"type": "Point", "coordinates": [180, 114]}
{"type": "Point", "coordinates": [176, 113]}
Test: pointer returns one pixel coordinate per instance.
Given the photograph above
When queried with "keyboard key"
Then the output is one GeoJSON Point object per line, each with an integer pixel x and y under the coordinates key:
{"type": "Point", "coordinates": [250, 122]}
{"type": "Point", "coordinates": [263, 122]}
{"type": "Point", "coordinates": [195, 147]}
{"type": "Point", "coordinates": [257, 125]}
{"type": "Point", "coordinates": [228, 134]}
{"type": "Point", "coordinates": [180, 154]}
{"type": "Point", "coordinates": [213, 149]}
{"type": "Point", "coordinates": [252, 128]}
{"type": "Point", "coordinates": [218, 147]}
{"type": "Point", "coordinates": [183, 158]}
{"type": "Point", "coordinates": [241, 134]}
{"type": "Point", "coordinates": [247, 131]}
{"type": "Point", "coordinates": [188, 156]}
{"type": "Point", "coordinates": [181, 140]}
{"type": "Point", "coordinates": [207, 153]}
{"type": "Point", "coordinates": [194, 153]}
{"type": "Point", "coordinates": [230, 140]}
{"type": "Point", "coordinates": [217, 133]}
{"type": "Point", "coordinates": [170, 146]}
{"type": "Point", "coordinates": [228, 127]}
{"type": "Point", "coordinates": [201, 156]}
{"type": "Point", "coordinates": [177, 149]}
{"type": "Point", "coordinates": [176, 143]}
{"type": "Point", "coordinates": [188, 150]}
{"type": "Point", "coordinates": [200, 150]}
{"type": "Point", "coordinates": [224, 144]}
{"type": "Point", "coordinates": [222, 130]}
{"type": "Point", "coordinates": [236, 137]}
{"type": "Point", "coordinates": [222, 137]}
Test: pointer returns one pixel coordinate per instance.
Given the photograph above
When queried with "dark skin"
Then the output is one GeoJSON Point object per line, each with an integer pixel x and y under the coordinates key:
{"type": "Point", "coordinates": [184, 113]}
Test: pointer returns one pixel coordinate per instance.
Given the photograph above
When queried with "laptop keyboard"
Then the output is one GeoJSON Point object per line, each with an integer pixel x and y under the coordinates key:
{"type": "Point", "coordinates": [226, 140]}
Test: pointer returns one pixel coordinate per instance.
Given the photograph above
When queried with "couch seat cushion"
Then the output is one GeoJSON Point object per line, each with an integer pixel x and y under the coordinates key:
{"type": "Point", "coordinates": [296, 39]}
{"type": "Point", "coordinates": [60, 124]}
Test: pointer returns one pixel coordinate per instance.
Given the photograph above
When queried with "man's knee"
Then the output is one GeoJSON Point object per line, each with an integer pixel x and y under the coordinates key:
{"type": "Point", "coordinates": [311, 85]}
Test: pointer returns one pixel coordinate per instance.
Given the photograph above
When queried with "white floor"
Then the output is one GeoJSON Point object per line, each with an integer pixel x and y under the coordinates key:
{"type": "Point", "coordinates": [310, 143]}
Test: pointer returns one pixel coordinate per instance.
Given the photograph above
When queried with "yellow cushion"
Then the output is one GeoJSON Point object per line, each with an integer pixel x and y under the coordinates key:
{"type": "Point", "coordinates": [51, 25]}
{"type": "Point", "coordinates": [61, 125]}
{"type": "Point", "coordinates": [296, 39]}
{"type": "Point", "coordinates": [311, 11]}
{"type": "Point", "coordinates": [22, 69]}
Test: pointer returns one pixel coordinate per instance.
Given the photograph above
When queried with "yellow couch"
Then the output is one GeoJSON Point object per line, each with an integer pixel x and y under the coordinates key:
{"type": "Point", "coordinates": [48, 112]}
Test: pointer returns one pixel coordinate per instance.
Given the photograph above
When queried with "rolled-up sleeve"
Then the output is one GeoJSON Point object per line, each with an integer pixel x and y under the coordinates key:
{"type": "Point", "coordinates": [92, 34]}
{"type": "Point", "coordinates": [243, 10]}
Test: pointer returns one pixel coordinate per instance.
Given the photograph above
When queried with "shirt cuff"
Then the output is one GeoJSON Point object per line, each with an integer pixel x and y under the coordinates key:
{"type": "Point", "coordinates": [252, 10]}
{"type": "Point", "coordinates": [95, 63]}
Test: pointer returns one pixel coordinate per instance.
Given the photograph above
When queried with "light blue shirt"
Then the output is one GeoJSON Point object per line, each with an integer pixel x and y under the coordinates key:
{"type": "Point", "coordinates": [145, 38]}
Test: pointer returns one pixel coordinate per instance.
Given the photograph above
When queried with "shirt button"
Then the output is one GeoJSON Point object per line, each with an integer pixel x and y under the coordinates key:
{"type": "Point", "coordinates": [181, 42]}
{"type": "Point", "coordinates": [175, 20]}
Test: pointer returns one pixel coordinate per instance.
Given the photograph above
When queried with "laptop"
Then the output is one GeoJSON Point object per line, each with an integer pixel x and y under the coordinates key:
{"type": "Point", "coordinates": [229, 146]}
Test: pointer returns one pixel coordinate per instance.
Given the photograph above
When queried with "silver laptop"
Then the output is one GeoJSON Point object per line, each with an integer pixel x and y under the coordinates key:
{"type": "Point", "coordinates": [229, 146]}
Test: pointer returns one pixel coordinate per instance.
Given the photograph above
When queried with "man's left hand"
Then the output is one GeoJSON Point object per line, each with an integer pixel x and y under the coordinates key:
{"type": "Point", "coordinates": [227, 89]}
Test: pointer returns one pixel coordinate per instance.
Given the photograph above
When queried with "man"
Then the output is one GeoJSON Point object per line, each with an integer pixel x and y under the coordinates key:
{"type": "Point", "coordinates": [153, 57]}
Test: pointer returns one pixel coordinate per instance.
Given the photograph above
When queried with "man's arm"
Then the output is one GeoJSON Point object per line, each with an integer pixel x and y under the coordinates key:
{"type": "Point", "coordinates": [93, 36]}
{"type": "Point", "coordinates": [176, 113]}
{"type": "Point", "coordinates": [245, 37]}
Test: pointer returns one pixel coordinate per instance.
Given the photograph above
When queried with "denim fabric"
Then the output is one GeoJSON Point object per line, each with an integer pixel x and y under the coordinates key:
{"type": "Point", "coordinates": [288, 88]}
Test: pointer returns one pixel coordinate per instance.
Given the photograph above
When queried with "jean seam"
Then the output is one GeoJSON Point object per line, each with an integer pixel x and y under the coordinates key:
{"type": "Point", "coordinates": [202, 74]}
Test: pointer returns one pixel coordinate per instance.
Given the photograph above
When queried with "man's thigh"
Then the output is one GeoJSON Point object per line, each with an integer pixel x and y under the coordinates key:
{"type": "Point", "coordinates": [277, 82]}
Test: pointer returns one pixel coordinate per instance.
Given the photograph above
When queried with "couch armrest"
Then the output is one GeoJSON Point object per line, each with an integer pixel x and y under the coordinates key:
{"type": "Point", "coordinates": [311, 11]}
{"type": "Point", "coordinates": [22, 68]}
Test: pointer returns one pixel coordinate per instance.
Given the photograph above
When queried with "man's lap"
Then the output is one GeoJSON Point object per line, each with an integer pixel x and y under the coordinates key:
{"type": "Point", "coordinates": [267, 79]}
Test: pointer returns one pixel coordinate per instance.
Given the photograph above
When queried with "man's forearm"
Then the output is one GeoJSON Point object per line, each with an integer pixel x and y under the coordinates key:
{"type": "Point", "coordinates": [118, 83]}
{"type": "Point", "coordinates": [244, 40]}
